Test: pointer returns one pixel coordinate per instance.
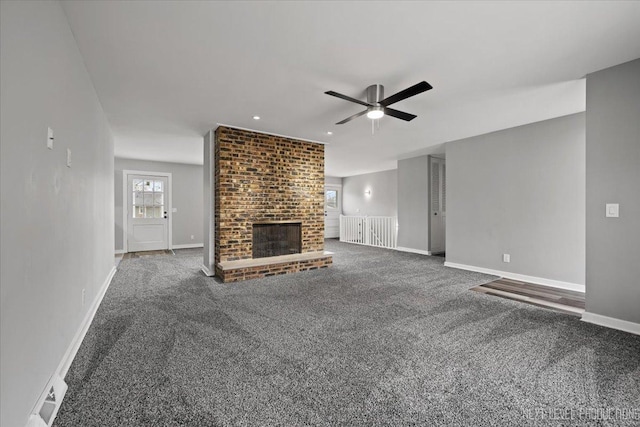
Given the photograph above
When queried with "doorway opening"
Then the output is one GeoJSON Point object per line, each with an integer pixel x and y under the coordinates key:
{"type": "Point", "coordinates": [437, 206]}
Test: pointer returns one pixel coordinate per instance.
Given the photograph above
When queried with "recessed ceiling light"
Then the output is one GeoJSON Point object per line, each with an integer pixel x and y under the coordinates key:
{"type": "Point", "coordinates": [329, 133]}
{"type": "Point", "coordinates": [256, 117]}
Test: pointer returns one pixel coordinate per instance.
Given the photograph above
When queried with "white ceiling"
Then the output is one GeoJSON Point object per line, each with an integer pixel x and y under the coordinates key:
{"type": "Point", "coordinates": [166, 72]}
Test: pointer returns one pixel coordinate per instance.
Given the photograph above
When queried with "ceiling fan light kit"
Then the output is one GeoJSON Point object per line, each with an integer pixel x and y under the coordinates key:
{"type": "Point", "coordinates": [378, 106]}
{"type": "Point", "coordinates": [375, 113]}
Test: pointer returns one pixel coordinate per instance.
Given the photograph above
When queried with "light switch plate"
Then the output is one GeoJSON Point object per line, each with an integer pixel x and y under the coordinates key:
{"type": "Point", "coordinates": [68, 157]}
{"type": "Point", "coordinates": [613, 210]}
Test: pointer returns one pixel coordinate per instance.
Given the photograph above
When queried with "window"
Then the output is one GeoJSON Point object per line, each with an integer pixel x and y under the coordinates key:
{"type": "Point", "coordinates": [148, 198]}
{"type": "Point", "coordinates": [331, 199]}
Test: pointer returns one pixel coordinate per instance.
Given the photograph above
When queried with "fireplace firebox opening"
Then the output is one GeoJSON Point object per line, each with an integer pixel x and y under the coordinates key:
{"type": "Point", "coordinates": [274, 239]}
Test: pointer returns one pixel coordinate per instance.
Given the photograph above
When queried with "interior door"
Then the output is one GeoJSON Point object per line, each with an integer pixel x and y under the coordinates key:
{"type": "Point", "coordinates": [438, 213]}
{"type": "Point", "coordinates": [147, 223]}
{"type": "Point", "coordinates": [332, 210]}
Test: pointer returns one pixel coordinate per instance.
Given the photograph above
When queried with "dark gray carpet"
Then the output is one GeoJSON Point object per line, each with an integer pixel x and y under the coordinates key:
{"type": "Point", "coordinates": [379, 338]}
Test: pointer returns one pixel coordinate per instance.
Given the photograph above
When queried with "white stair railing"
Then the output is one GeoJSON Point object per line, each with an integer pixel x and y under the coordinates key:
{"type": "Point", "coordinates": [381, 231]}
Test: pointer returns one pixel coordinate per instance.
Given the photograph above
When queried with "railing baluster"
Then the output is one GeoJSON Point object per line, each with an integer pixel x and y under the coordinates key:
{"type": "Point", "coordinates": [372, 231]}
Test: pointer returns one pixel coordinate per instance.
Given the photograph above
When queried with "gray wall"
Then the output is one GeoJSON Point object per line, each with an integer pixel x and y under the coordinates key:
{"type": "Point", "coordinates": [57, 222]}
{"type": "Point", "coordinates": [383, 200]}
{"type": "Point", "coordinates": [208, 203]}
{"type": "Point", "coordinates": [187, 183]}
{"type": "Point", "coordinates": [613, 176]}
{"type": "Point", "coordinates": [520, 191]}
{"type": "Point", "coordinates": [334, 180]}
{"type": "Point", "coordinates": [413, 203]}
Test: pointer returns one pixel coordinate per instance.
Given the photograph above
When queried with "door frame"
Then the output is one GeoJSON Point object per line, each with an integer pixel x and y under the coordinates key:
{"type": "Point", "coordinates": [125, 205]}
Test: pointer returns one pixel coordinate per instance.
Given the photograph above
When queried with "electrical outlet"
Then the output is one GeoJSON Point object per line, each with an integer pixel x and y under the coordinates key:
{"type": "Point", "coordinates": [192, 237]}
{"type": "Point", "coordinates": [83, 294]}
{"type": "Point", "coordinates": [506, 258]}
{"type": "Point", "coordinates": [613, 210]}
{"type": "Point", "coordinates": [50, 138]}
{"type": "Point", "coordinates": [68, 157]}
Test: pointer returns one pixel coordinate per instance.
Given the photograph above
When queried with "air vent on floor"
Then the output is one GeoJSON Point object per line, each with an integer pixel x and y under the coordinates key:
{"type": "Point", "coordinates": [36, 420]}
{"type": "Point", "coordinates": [48, 404]}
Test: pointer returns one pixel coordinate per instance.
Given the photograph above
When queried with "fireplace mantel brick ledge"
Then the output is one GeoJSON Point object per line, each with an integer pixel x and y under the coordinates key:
{"type": "Point", "coordinates": [260, 262]}
{"type": "Point", "coordinates": [245, 269]}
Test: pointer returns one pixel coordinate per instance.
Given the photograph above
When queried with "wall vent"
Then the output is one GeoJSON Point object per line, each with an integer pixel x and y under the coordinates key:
{"type": "Point", "coordinates": [49, 403]}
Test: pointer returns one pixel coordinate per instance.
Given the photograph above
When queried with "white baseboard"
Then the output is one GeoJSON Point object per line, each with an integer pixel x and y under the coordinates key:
{"type": "Point", "coordinates": [520, 277]}
{"type": "Point", "coordinates": [184, 246]}
{"type": "Point", "coordinates": [413, 251]}
{"type": "Point", "coordinates": [188, 246]}
{"type": "Point", "coordinates": [72, 350]}
{"type": "Point", "coordinates": [84, 326]}
{"type": "Point", "coordinates": [611, 322]}
{"type": "Point", "coordinates": [207, 272]}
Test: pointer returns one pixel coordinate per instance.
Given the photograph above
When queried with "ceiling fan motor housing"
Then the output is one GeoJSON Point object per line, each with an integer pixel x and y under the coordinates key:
{"type": "Point", "coordinates": [375, 94]}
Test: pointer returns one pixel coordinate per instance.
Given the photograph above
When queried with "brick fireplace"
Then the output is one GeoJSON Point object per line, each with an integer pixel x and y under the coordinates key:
{"type": "Point", "coordinates": [268, 205]}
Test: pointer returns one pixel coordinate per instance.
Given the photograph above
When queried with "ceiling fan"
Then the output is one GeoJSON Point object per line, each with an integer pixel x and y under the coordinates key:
{"type": "Point", "coordinates": [377, 105]}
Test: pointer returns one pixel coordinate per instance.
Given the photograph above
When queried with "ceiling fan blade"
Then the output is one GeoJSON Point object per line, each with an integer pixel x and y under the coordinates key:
{"type": "Point", "coordinates": [355, 116]}
{"type": "Point", "coordinates": [407, 93]}
{"type": "Point", "coordinates": [399, 114]}
{"type": "Point", "coordinates": [347, 98]}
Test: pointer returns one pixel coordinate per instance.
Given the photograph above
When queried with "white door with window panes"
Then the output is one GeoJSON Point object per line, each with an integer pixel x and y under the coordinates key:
{"type": "Point", "coordinates": [147, 213]}
{"type": "Point", "coordinates": [332, 210]}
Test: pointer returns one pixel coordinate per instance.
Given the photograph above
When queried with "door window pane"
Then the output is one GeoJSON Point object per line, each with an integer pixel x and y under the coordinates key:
{"type": "Point", "coordinates": [331, 199]}
{"type": "Point", "coordinates": [148, 198]}
{"type": "Point", "coordinates": [138, 212]}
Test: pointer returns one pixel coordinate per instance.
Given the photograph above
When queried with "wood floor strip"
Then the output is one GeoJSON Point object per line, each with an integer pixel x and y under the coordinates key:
{"type": "Point", "coordinates": [539, 303]}
{"type": "Point", "coordinates": [523, 291]}
{"type": "Point", "coordinates": [545, 289]}
{"type": "Point", "coordinates": [546, 296]}
{"type": "Point", "coordinates": [548, 289]}
{"type": "Point", "coordinates": [562, 300]}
